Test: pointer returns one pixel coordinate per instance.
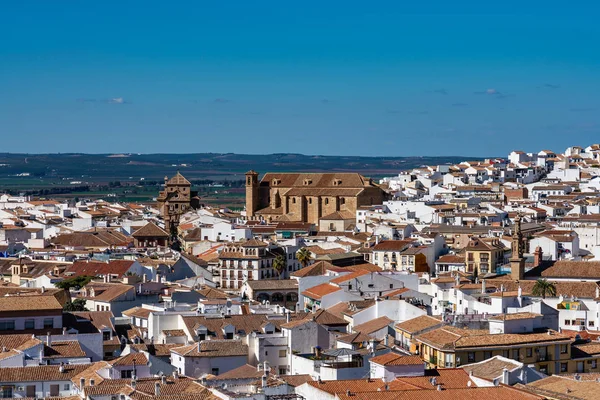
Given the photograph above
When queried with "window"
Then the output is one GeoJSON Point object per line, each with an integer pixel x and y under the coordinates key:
{"type": "Point", "coordinates": [391, 285]}
{"type": "Point", "coordinates": [7, 392]}
{"type": "Point", "coordinates": [487, 354]}
{"type": "Point", "coordinates": [106, 335]}
{"type": "Point", "coordinates": [282, 370]}
{"type": "Point", "coordinates": [126, 374]}
{"type": "Point", "coordinates": [567, 322]}
{"type": "Point", "coordinates": [67, 387]}
{"type": "Point", "coordinates": [516, 354]}
{"type": "Point", "coordinates": [529, 352]}
{"type": "Point", "coordinates": [591, 323]}
{"type": "Point", "coordinates": [215, 371]}
{"type": "Point", "coordinates": [471, 356]}
{"type": "Point", "coordinates": [282, 353]}
{"type": "Point", "coordinates": [7, 325]}
{"type": "Point", "coordinates": [29, 324]}
{"type": "Point", "coordinates": [563, 367]}
{"type": "Point", "coordinates": [48, 323]}
{"type": "Point", "coordinates": [594, 364]}
{"type": "Point", "coordinates": [563, 349]}
{"type": "Point", "coordinates": [202, 336]}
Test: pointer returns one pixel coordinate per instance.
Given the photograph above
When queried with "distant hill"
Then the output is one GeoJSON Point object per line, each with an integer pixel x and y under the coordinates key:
{"type": "Point", "coordinates": [131, 167]}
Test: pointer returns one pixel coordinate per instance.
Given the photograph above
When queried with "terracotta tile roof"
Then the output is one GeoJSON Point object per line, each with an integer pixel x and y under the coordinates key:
{"type": "Point", "coordinates": [92, 239]}
{"type": "Point", "coordinates": [138, 312]}
{"type": "Point", "coordinates": [213, 294]}
{"type": "Point", "coordinates": [354, 338]}
{"type": "Point", "coordinates": [514, 316]}
{"type": "Point", "coordinates": [317, 269]}
{"type": "Point", "coordinates": [354, 385]}
{"type": "Point", "coordinates": [373, 325]}
{"type": "Point", "coordinates": [394, 359]}
{"type": "Point", "coordinates": [350, 308]}
{"type": "Point", "coordinates": [296, 380]}
{"type": "Point", "coordinates": [448, 378]}
{"type": "Point", "coordinates": [71, 349]}
{"type": "Point", "coordinates": [418, 324]}
{"type": "Point", "coordinates": [174, 332]}
{"type": "Point", "coordinates": [450, 259]}
{"type": "Point", "coordinates": [29, 303]}
{"type": "Point", "coordinates": [491, 368]}
{"type": "Point", "coordinates": [40, 373]}
{"type": "Point", "coordinates": [566, 288]}
{"type": "Point", "coordinates": [246, 371]}
{"type": "Point", "coordinates": [392, 245]}
{"type": "Point", "coordinates": [97, 268]}
{"type": "Point", "coordinates": [19, 342]}
{"type": "Point", "coordinates": [474, 393]}
{"type": "Point", "coordinates": [129, 359]}
{"type": "Point", "coordinates": [324, 317]}
{"type": "Point", "coordinates": [150, 230]}
{"type": "Point", "coordinates": [317, 292]}
{"type": "Point", "coordinates": [559, 387]}
{"type": "Point", "coordinates": [213, 348]}
{"type": "Point", "coordinates": [451, 338]}
{"type": "Point", "coordinates": [273, 284]}
{"type": "Point", "coordinates": [158, 350]}
{"type": "Point", "coordinates": [106, 292]}
{"type": "Point", "coordinates": [572, 269]}
{"type": "Point", "coordinates": [243, 324]}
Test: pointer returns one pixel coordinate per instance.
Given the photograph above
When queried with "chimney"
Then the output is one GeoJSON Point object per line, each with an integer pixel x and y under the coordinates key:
{"type": "Point", "coordinates": [81, 384]}
{"type": "Point", "coordinates": [199, 347]}
{"type": "Point", "coordinates": [348, 393]}
{"type": "Point", "coordinates": [133, 383]}
{"type": "Point", "coordinates": [537, 256]}
{"type": "Point", "coordinates": [439, 388]}
{"type": "Point", "coordinates": [61, 369]}
{"type": "Point", "coordinates": [288, 314]}
{"type": "Point", "coordinates": [505, 377]}
{"type": "Point", "coordinates": [163, 379]}
{"type": "Point", "coordinates": [157, 389]}
{"type": "Point", "coordinates": [597, 291]}
{"type": "Point", "coordinates": [175, 374]}
{"type": "Point", "coordinates": [48, 339]}
{"type": "Point", "coordinates": [264, 381]}
{"type": "Point", "coordinates": [64, 331]}
{"type": "Point", "coordinates": [43, 289]}
{"type": "Point", "coordinates": [144, 278]}
{"type": "Point", "coordinates": [483, 288]}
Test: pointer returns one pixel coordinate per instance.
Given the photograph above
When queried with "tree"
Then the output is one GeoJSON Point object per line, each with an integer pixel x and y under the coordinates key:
{"type": "Point", "coordinates": [542, 288]}
{"type": "Point", "coordinates": [279, 264]}
{"type": "Point", "coordinates": [304, 257]}
{"type": "Point", "coordinates": [75, 305]}
{"type": "Point", "coordinates": [77, 283]}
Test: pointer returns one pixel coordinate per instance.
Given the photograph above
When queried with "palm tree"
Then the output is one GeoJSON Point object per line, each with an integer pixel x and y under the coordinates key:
{"type": "Point", "coordinates": [542, 288]}
{"type": "Point", "coordinates": [279, 264]}
{"type": "Point", "coordinates": [304, 257]}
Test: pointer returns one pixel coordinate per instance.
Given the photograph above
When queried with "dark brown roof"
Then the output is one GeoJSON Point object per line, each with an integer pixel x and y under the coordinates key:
{"type": "Point", "coordinates": [150, 230]}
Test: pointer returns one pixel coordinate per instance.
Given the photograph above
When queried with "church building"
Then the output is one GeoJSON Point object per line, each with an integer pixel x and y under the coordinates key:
{"type": "Point", "coordinates": [175, 200]}
{"type": "Point", "coordinates": [308, 197]}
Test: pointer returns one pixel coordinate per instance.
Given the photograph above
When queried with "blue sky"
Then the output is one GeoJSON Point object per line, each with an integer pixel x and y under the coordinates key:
{"type": "Point", "coordinates": [341, 78]}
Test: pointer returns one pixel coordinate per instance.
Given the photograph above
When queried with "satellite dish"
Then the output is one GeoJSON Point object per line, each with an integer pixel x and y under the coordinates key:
{"type": "Point", "coordinates": [228, 303]}
{"type": "Point", "coordinates": [224, 386]}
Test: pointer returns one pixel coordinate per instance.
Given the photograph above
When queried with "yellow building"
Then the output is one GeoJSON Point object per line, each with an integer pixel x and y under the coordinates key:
{"type": "Point", "coordinates": [484, 255]}
{"type": "Point", "coordinates": [451, 347]}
